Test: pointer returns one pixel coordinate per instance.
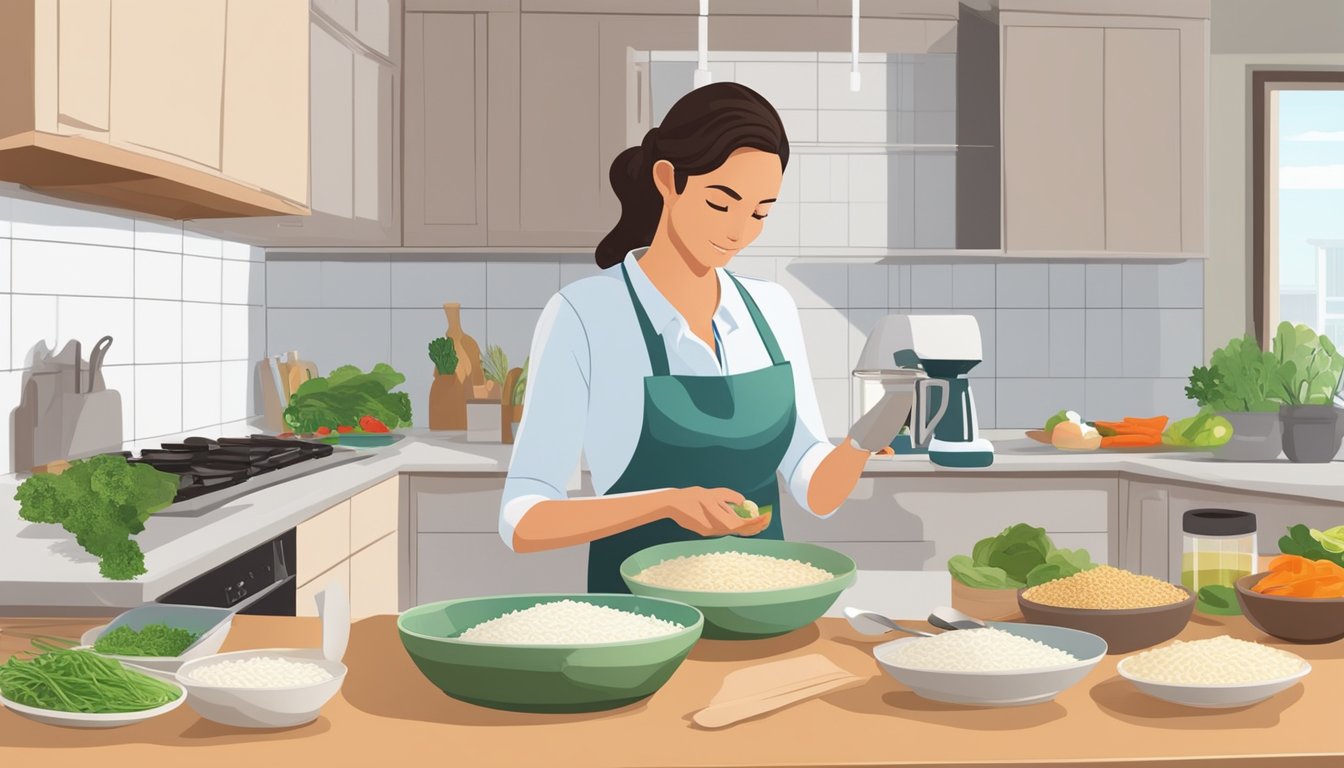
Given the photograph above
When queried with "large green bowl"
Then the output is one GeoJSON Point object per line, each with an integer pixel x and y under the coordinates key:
{"type": "Point", "coordinates": [749, 615]}
{"type": "Point", "coordinates": [544, 678]}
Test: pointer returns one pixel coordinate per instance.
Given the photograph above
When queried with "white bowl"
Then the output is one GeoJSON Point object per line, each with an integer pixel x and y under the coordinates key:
{"type": "Point", "coordinates": [1223, 696]}
{"type": "Point", "coordinates": [207, 645]}
{"type": "Point", "coordinates": [1003, 688]}
{"type": "Point", "coordinates": [262, 707]}
{"type": "Point", "coordinates": [88, 720]}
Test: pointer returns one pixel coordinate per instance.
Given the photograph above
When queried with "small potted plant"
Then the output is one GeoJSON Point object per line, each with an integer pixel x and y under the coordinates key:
{"type": "Point", "coordinates": [1241, 384]}
{"type": "Point", "coordinates": [511, 402]}
{"type": "Point", "coordinates": [985, 583]}
{"type": "Point", "coordinates": [1309, 368]}
{"type": "Point", "coordinates": [448, 393]}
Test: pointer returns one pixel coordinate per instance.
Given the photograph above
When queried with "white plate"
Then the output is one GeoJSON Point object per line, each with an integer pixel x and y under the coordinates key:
{"type": "Point", "coordinates": [1214, 696]}
{"type": "Point", "coordinates": [86, 720]}
{"type": "Point", "coordinates": [208, 645]}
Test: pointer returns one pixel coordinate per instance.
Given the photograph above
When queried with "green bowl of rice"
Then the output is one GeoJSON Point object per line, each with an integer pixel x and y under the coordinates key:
{"type": "Point", "coordinates": [746, 588]}
{"type": "Point", "coordinates": [550, 653]}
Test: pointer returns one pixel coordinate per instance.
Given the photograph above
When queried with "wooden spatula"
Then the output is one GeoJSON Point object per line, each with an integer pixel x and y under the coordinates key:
{"type": "Point", "coordinates": [763, 688]}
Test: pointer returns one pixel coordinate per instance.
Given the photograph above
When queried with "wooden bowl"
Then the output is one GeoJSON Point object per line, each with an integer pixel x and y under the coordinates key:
{"type": "Point", "coordinates": [1124, 630]}
{"type": "Point", "coordinates": [986, 604]}
{"type": "Point", "coordinates": [1295, 619]}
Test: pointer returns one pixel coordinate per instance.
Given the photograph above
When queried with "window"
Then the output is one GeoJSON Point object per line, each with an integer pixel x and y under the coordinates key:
{"type": "Point", "coordinates": [1298, 200]}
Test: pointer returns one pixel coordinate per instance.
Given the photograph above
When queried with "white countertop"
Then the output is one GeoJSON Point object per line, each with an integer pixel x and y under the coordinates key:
{"type": "Point", "coordinates": [41, 566]}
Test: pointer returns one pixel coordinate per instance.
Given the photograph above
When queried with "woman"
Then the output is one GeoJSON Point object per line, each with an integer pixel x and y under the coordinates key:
{"type": "Point", "coordinates": [685, 387]}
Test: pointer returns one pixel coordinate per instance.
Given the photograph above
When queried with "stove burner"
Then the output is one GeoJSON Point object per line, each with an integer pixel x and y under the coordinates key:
{"type": "Point", "coordinates": [204, 465]}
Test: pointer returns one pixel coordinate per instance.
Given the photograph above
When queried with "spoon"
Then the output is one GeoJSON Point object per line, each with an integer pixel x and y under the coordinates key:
{"type": "Point", "coordinates": [874, 623]}
{"type": "Point", "coordinates": [944, 617]}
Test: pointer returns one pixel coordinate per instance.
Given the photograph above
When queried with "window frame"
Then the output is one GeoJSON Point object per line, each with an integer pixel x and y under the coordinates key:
{"type": "Point", "coordinates": [1264, 170]}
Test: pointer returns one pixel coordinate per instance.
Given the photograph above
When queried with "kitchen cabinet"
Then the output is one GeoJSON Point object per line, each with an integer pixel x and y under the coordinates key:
{"type": "Point", "coordinates": [1104, 127]}
{"type": "Point", "coordinates": [142, 105]}
{"type": "Point", "coordinates": [351, 129]}
{"type": "Point", "coordinates": [458, 551]}
{"type": "Point", "coordinates": [356, 543]}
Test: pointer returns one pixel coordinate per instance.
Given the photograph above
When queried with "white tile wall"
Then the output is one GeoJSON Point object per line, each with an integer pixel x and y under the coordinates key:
{"type": "Point", "coordinates": [69, 273]}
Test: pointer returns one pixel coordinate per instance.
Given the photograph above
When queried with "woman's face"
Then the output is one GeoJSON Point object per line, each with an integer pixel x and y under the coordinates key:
{"type": "Point", "coordinates": [720, 212]}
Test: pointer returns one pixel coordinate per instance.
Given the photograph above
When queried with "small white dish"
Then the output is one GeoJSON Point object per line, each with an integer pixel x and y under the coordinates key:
{"type": "Point", "coordinates": [1221, 696]}
{"type": "Point", "coordinates": [88, 720]}
{"type": "Point", "coordinates": [207, 645]}
{"type": "Point", "coordinates": [1009, 688]}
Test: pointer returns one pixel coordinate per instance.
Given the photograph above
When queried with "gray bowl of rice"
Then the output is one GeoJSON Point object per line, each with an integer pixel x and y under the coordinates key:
{"type": "Point", "coordinates": [1003, 665]}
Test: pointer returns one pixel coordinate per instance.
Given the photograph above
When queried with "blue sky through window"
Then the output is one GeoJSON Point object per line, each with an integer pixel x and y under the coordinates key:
{"type": "Point", "coordinates": [1311, 180]}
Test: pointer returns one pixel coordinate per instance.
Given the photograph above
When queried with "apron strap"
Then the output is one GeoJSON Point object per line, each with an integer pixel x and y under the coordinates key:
{"type": "Point", "coordinates": [653, 341]}
{"type": "Point", "coordinates": [762, 327]}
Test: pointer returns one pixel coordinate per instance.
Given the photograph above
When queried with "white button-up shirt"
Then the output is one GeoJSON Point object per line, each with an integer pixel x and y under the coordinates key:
{"type": "Point", "coordinates": [585, 382]}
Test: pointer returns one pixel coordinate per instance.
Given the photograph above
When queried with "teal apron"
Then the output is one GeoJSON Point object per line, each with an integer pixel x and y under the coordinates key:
{"type": "Point", "coordinates": [708, 431]}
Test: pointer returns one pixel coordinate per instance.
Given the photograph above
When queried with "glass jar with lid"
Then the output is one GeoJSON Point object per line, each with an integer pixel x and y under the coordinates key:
{"type": "Point", "coordinates": [1219, 549]}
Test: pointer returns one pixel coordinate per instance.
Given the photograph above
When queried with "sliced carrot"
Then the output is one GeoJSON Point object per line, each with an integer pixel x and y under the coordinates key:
{"type": "Point", "coordinates": [1130, 441]}
{"type": "Point", "coordinates": [1158, 423]}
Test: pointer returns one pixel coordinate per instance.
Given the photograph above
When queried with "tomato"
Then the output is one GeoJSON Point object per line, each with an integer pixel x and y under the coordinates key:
{"type": "Point", "coordinates": [324, 430]}
{"type": "Point", "coordinates": [370, 424]}
{"type": "Point", "coordinates": [344, 429]}
{"type": "Point", "coordinates": [285, 434]}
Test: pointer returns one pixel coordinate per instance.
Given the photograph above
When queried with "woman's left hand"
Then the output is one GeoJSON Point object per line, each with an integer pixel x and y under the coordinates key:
{"type": "Point", "coordinates": [754, 526]}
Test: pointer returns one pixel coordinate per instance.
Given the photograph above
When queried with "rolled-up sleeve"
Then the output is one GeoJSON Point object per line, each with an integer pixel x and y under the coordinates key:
{"type": "Point", "coordinates": [549, 442]}
{"type": "Point", "coordinates": [809, 444]}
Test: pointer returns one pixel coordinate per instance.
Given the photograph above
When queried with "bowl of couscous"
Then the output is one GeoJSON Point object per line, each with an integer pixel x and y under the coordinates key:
{"type": "Point", "coordinates": [1128, 610]}
{"type": "Point", "coordinates": [746, 588]}
{"type": "Point", "coordinates": [550, 653]}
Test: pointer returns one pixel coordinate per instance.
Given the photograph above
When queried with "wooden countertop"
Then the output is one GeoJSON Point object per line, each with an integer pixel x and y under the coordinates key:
{"type": "Point", "coordinates": [386, 708]}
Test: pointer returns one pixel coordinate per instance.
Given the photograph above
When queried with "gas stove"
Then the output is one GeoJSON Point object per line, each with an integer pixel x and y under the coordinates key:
{"type": "Point", "coordinates": [213, 472]}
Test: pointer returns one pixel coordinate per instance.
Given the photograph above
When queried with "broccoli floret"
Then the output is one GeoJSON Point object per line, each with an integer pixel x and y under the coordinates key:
{"type": "Point", "coordinates": [39, 499]}
{"type": "Point", "coordinates": [123, 561]}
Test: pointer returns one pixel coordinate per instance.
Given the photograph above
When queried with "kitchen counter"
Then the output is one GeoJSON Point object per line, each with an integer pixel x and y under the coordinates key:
{"type": "Point", "coordinates": [42, 566]}
{"type": "Point", "coordinates": [386, 704]}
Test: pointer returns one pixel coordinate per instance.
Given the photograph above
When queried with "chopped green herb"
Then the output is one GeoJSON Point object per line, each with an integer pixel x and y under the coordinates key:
{"type": "Point", "coordinates": [81, 681]}
{"type": "Point", "coordinates": [151, 640]}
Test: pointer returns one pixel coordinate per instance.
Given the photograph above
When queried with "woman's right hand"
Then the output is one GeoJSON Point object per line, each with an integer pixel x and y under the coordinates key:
{"type": "Point", "coordinates": [709, 512]}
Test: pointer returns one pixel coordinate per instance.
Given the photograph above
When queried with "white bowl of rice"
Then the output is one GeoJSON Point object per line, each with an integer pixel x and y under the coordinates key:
{"type": "Point", "coordinates": [269, 688]}
{"type": "Point", "coordinates": [1215, 673]}
{"type": "Point", "coordinates": [1003, 665]}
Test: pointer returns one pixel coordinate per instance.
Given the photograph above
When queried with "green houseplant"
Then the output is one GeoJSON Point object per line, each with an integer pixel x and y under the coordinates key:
{"type": "Point", "coordinates": [448, 393]}
{"type": "Point", "coordinates": [1309, 369]}
{"type": "Point", "coordinates": [1241, 384]}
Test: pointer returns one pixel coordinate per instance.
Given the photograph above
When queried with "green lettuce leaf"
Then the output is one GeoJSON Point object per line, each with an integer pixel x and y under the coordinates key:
{"type": "Point", "coordinates": [979, 577]}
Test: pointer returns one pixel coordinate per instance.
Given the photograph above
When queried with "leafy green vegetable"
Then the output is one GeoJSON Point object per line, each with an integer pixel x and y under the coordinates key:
{"type": "Point", "coordinates": [495, 364]}
{"type": "Point", "coordinates": [1300, 542]}
{"type": "Point", "coordinates": [345, 395]}
{"type": "Point", "coordinates": [1206, 430]}
{"type": "Point", "coordinates": [103, 501]}
{"type": "Point", "coordinates": [1309, 366]}
{"type": "Point", "coordinates": [444, 354]}
{"type": "Point", "coordinates": [70, 680]}
{"type": "Point", "coordinates": [150, 640]}
{"type": "Point", "coordinates": [1241, 378]}
{"type": "Point", "coordinates": [1217, 599]}
{"type": "Point", "coordinates": [1056, 420]}
{"type": "Point", "coordinates": [1022, 555]}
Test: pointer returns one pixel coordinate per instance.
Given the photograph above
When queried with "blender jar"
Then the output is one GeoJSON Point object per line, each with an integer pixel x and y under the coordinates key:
{"type": "Point", "coordinates": [1219, 549]}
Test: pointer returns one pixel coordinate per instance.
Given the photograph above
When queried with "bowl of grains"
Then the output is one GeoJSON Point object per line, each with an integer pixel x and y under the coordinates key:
{"type": "Point", "coordinates": [1215, 673]}
{"type": "Point", "coordinates": [746, 588]}
{"type": "Point", "coordinates": [1002, 665]}
{"type": "Point", "coordinates": [1128, 610]}
{"type": "Point", "coordinates": [550, 653]}
{"type": "Point", "coordinates": [274, 688]}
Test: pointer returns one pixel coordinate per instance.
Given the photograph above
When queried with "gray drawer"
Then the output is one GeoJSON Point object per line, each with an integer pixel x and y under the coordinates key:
{"type": "Point", "coordinates": [453, 565]}
{"type": "Point", "coordinates": [456, 504]}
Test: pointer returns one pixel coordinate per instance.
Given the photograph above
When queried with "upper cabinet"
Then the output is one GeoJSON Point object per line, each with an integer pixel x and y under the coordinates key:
{"type": "Point", "coordinates": [1104, 126]}
{"type": "Point", "coordinates": [182, 110]}
{"type": "Point", "coordinates": [350, 122]}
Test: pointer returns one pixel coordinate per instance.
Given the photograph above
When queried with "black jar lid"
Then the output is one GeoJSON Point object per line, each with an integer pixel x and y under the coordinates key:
{"type": "Point", "coordinates": [1218, 522]}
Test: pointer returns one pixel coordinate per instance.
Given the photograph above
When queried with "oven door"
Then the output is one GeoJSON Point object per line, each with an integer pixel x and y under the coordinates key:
{"type": "Point", "coordinates": [260, 581]}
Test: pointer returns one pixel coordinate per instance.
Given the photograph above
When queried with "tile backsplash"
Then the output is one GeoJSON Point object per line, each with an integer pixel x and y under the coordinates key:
{"type": "Point", "coordinates": [1108, 340]}
{"type": "Point", "coordinates": [186, 312]}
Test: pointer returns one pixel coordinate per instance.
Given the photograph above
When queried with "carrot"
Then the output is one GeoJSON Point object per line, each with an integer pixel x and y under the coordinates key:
{"type": "Point", "coordinates": [1130, 441]}
{"type": "Point", "coordinates": [1115, 428]}
{"type": "Point", "coordinates": [1157, 423]}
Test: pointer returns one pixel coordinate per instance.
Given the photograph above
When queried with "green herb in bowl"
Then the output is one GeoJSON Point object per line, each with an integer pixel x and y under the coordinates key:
{"type": "Point", "coordinates": [151, 640]}
{"type": "Point", "coordinates": [67, 680]}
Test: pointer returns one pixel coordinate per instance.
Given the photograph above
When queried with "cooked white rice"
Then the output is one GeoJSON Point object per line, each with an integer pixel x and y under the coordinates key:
{"type": "Point", "coordinates": [731, 572]}
{"type": "Point", "coordinates": [569, 622]}
{"type": "Point", "coordinates": [1221, 660]}
{"type": "Point", "coordinates": [259, 672]}
{"type": "Point", "coordinates": [976, 650]}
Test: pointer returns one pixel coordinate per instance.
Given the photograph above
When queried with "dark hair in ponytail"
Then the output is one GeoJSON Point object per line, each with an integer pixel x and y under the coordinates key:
{"type": "Point", "coordinates": [701, 130]}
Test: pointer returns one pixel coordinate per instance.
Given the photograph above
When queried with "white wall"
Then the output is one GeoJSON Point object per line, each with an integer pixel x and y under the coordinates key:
{"type": "Point", "coordinates": [186, 312]}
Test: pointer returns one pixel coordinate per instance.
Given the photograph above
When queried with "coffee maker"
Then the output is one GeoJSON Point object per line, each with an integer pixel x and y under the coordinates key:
{"type": "Point", "coordinates": [943, 348]}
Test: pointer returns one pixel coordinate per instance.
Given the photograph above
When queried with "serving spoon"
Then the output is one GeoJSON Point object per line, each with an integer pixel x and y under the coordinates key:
{"type": "Point", "coordinates": [874, 623]}
{"type": "Point", "coordinates": [944, 617]}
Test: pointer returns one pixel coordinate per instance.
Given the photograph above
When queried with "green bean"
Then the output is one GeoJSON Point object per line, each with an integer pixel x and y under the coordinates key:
{"type": "Point", "coordinates": [80, 681]}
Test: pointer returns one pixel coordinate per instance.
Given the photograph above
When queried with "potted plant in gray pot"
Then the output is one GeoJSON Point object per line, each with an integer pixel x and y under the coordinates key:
{"type": "Point", "coordinates": [1241, 384]}
{"type": "Point", "coordinates": [1309, 368]}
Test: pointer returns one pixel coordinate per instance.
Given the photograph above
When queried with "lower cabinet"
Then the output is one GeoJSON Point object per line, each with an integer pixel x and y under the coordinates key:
{"type": "Point", "coordinates": [452, 565]}
{"type": "Point", "coordinates": [373, 579]}
{"type": "Point", "coordinates": [355, 544]}
{"type": "Point", "coordinates": [305, 601]}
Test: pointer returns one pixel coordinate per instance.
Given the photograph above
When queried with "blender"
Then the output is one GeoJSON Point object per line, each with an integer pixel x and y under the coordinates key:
{"type": "Point", "coordinates": [930, 356]}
